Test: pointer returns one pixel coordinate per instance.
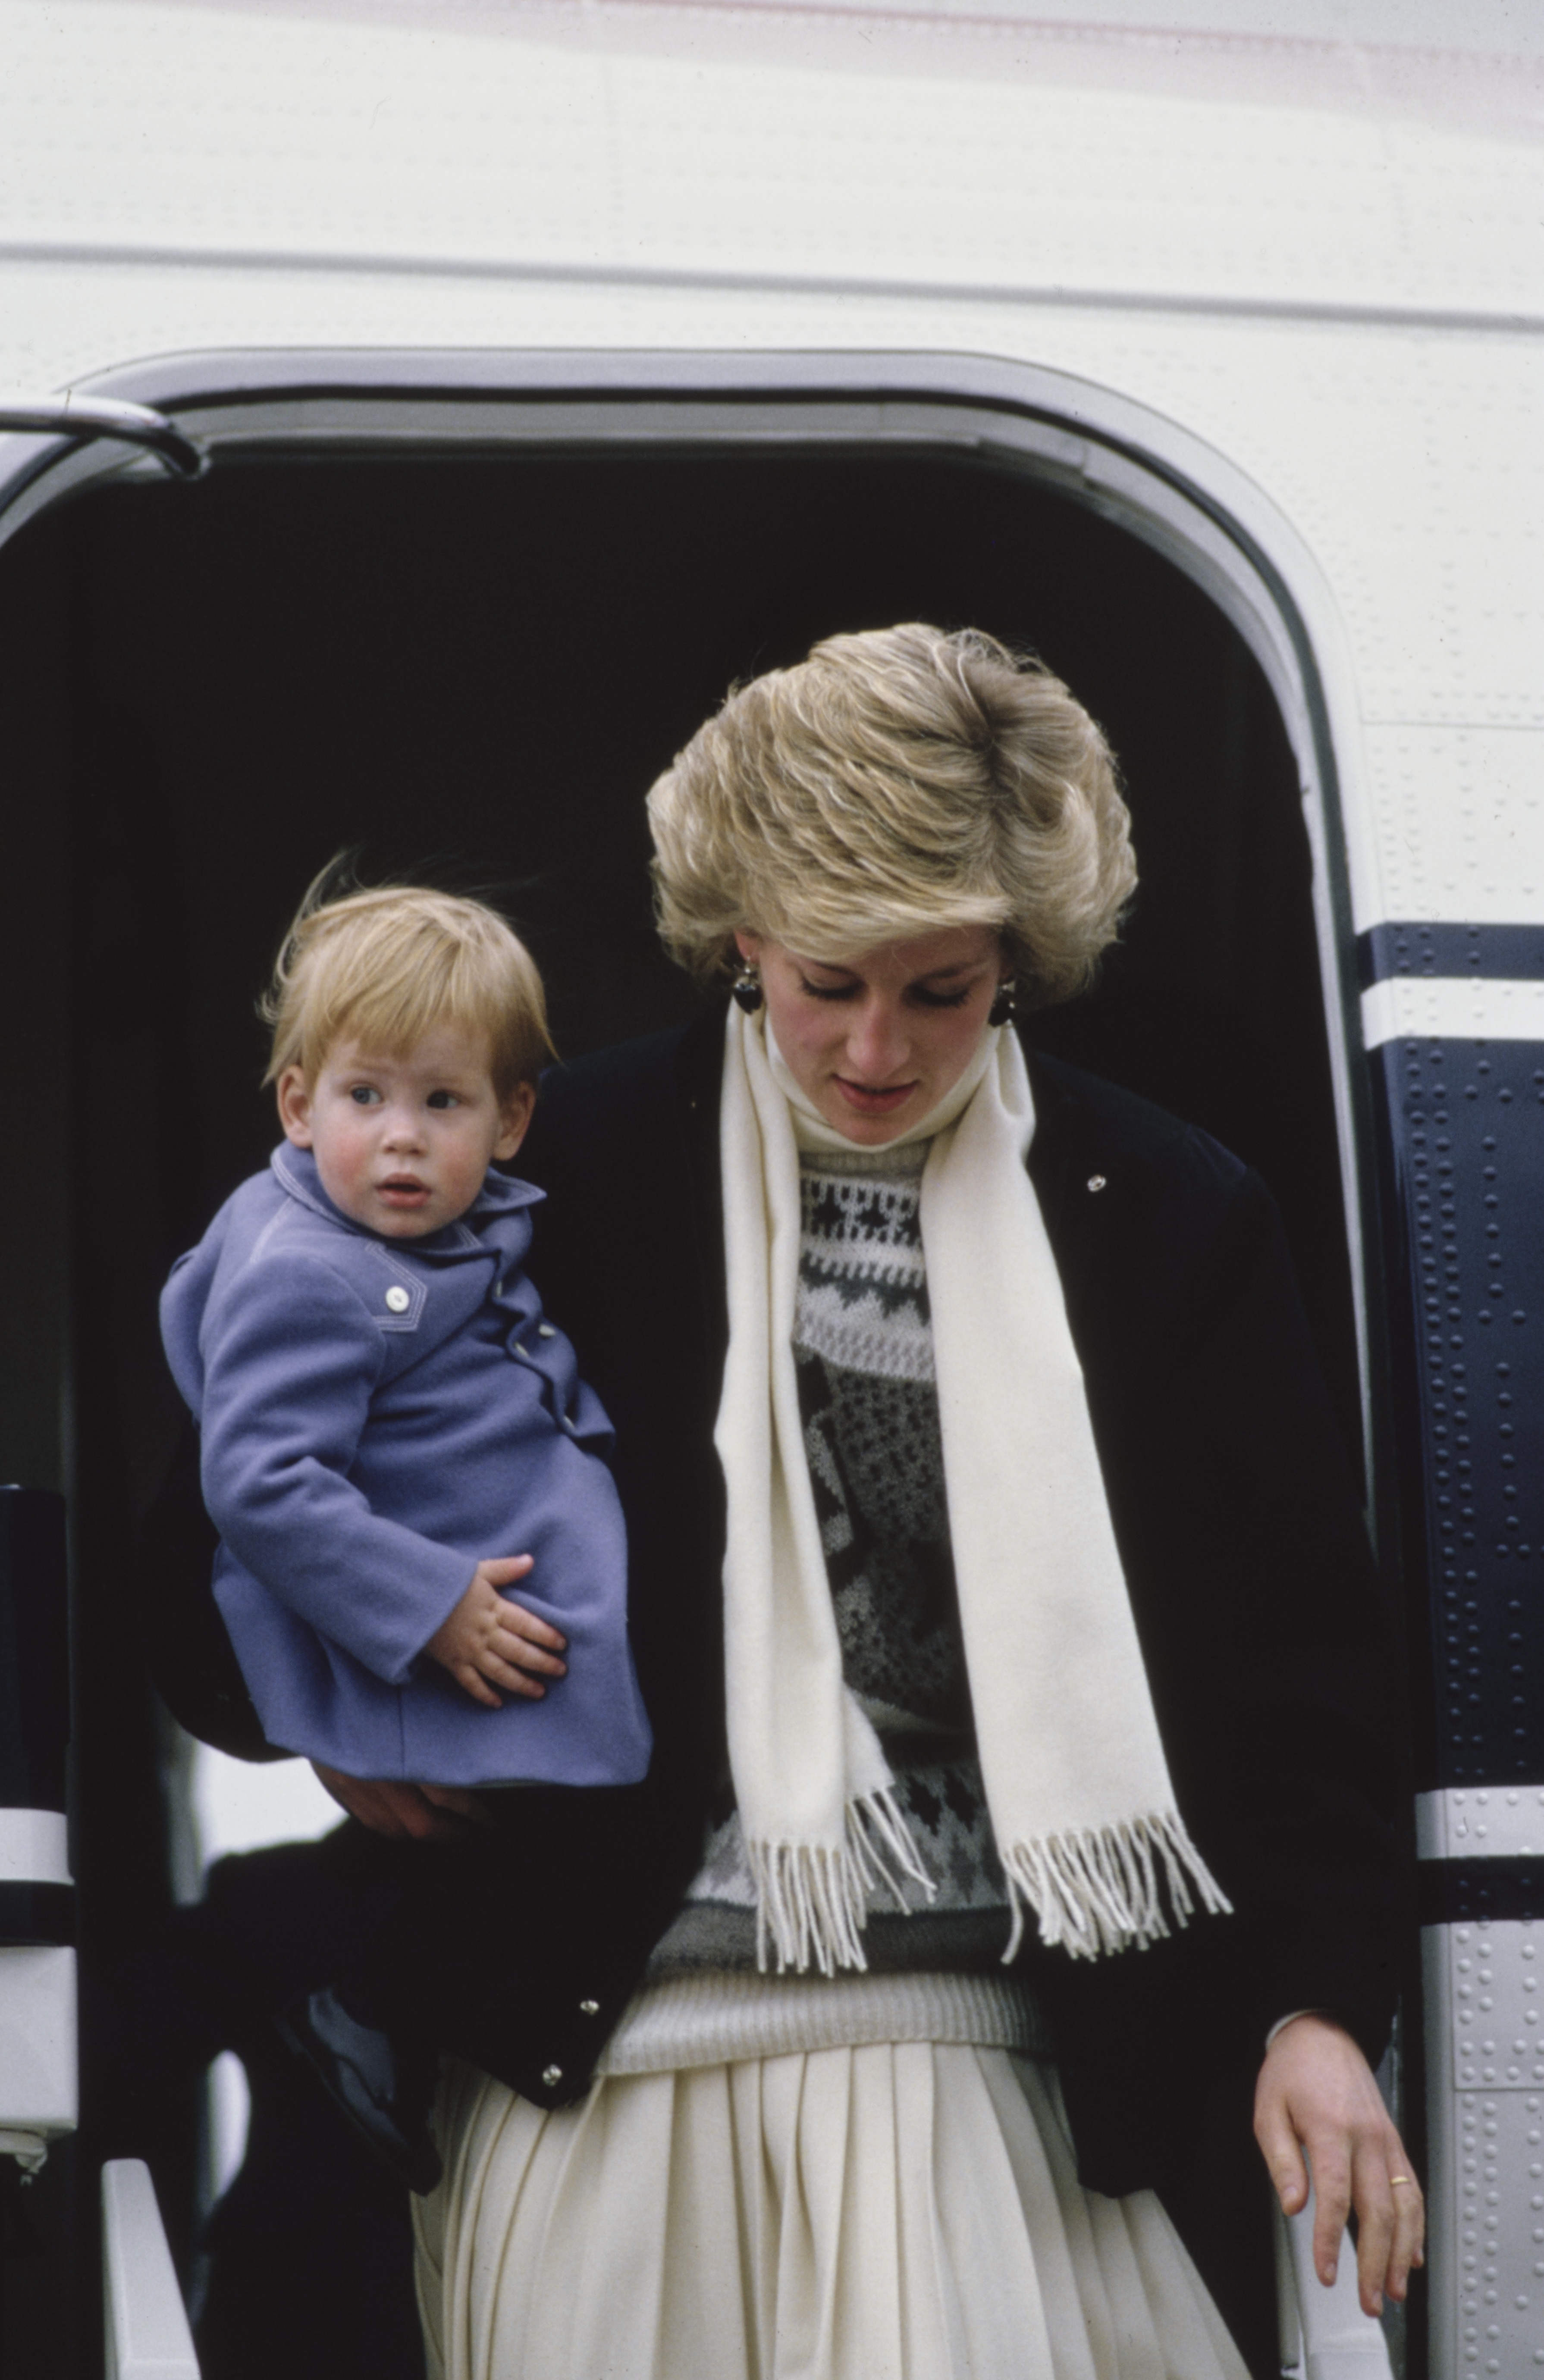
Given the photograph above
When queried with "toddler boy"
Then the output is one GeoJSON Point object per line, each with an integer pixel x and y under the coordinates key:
{"type": "Point", "coordinates": [391, 1433]}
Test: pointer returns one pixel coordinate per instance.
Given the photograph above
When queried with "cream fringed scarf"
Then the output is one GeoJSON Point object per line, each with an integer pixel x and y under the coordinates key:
{"type": "Point", "coordinates": [1075, 1779]}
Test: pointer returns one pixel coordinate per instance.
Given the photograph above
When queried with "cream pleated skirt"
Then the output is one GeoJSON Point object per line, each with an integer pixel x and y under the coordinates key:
{"type": "Point", "coordinates": [905, 2211]}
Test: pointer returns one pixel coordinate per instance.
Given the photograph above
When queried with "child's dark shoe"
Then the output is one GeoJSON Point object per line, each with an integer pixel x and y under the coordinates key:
{"type": "Point", "coordinates": [384, 2091]}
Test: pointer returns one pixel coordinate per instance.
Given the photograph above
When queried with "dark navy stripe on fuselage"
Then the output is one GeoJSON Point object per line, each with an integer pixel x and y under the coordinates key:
{"type": "Point", "coordinates": [1463, 1146]}
{"type": "Point", "coordinates": [1458, 1892]}
{"type": "Point", "coordinates": [37, 1913]}
{"type": "Point", "coordinates": [1492, 954]}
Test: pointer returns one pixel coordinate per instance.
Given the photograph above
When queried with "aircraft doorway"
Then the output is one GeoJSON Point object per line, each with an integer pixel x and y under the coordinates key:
{"type": "Point", "coordinates": [475, 667]}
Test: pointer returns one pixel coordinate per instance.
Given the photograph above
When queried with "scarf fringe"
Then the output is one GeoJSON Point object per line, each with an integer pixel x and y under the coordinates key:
{"type": "Point", "coordinates": [812, 1898]}
{"type": "Point", "coordinates": [1097, 1891]}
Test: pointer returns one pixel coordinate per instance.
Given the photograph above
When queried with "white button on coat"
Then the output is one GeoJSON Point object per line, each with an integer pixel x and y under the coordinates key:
{"type": "Point", "coordinates": [398, 1298]}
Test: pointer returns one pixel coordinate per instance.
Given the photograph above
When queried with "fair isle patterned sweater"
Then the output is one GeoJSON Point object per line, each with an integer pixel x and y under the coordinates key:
{"type": "Point", "coordinates": [864, 1357]}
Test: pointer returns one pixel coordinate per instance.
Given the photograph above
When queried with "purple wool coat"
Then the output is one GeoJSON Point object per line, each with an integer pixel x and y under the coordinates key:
{"type": "Point", "coordinates": [376, 1417]}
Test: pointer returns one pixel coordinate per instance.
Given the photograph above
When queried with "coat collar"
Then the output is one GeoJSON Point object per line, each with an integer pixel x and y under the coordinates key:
{"type": "Point", "coordinates": [295, 1170]}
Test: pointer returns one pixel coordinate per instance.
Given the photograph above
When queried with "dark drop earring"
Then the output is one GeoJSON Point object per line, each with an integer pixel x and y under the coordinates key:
{"type": "Point", "coordinates": [1002, 1009]}
{"type": "Point", "coordinates": [746, 988]}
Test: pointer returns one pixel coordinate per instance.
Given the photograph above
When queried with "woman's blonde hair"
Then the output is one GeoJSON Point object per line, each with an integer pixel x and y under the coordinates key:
{"type": "Point", "coordinates": [896, 782]}
{"type": "Point", "coordinates": [386, 967]}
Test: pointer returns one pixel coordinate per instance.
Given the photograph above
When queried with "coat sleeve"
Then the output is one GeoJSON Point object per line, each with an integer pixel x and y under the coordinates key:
{"type": "Point", "coordinates": [288, 1375]}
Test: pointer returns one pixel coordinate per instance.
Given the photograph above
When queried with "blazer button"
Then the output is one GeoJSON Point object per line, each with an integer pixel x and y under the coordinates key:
{"type": "Point", "coordinates": [590, 2007]}
{"type": "Point", "coordinates": [1096, 1181]}
{"type": "Point", "coordinates": [398, 1298]}
{"type": "Point", "coordinates": [546, 1331]}
{"type": "Point", "coordinates": [521, 1353]}
{"type": "Point", "coordinates": [552, 2076]}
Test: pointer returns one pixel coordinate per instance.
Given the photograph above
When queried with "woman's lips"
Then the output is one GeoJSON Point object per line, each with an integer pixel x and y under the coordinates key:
{"type": "Point", "coordinates": [868, 1101]}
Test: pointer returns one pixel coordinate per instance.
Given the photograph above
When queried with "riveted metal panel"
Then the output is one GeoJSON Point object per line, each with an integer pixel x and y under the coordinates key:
{"type": "Point", "coordinates": [1466, 1140]}
{"type": "Point", "coordinates": [1463, 1119]}
{"type": "Point", "coordinates": [1486, 2140]}
{"type": "Point", "coordinates": [1496, 2012]}
{"type": "Point", "coordinates": [1485, 1823]}
{"type": "Point", "coordinates": [762, 141]}
{"type": "Point", "coordinates": [1459, 811]}
{"type": "Point", "coordinates": [1422, 950]}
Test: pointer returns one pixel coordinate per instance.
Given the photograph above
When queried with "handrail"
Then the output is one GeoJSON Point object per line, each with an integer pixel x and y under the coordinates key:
{"type": "Point", "coordinates": [1331, 2337]}
{"type": "Point", "coordinates": [108, 416]}
{"type": "Point", "coordinates": [147, 2333]}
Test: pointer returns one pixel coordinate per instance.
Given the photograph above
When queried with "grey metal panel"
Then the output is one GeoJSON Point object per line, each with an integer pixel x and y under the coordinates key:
{"type": "Point", "coordinates": [1484, 2086]}
{"type": "Point", "coordinates": [1483, 1822]}
{"type": "Point", "coordinates": [884, 151]}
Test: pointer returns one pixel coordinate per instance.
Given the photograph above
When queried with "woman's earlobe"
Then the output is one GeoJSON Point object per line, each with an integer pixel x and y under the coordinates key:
{"type": "Point", "coordinates": [746, 988]}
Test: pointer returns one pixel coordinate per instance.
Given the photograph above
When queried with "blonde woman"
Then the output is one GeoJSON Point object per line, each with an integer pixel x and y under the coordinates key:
{"type": "Point", "coordinates": [1022, 1805]}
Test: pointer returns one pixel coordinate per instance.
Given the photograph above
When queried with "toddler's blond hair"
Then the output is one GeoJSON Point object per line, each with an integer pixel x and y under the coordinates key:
{"type": "Point", "coordinates": [387, 966]}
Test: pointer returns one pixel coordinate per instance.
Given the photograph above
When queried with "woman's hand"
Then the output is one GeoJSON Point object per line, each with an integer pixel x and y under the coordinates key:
{"type": "Point", "coordinates": [1317, 2092]}
{"type": "Point", "coordinates": [419, 1813]}
{"type": "Point", "coordinates": [488, 1641]}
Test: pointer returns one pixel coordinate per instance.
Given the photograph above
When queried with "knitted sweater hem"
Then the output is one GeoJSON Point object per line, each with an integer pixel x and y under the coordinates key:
{"type": "Point", "coordinates": [714, 2019]}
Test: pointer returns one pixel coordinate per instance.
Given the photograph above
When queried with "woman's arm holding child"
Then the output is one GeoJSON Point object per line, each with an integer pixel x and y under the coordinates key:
{"type": "Point", "coordinates": [402, 1813]}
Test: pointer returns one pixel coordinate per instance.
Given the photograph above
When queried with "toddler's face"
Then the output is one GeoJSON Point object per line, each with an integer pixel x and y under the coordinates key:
{"type": "Point", "coordinates": [402, 1144]}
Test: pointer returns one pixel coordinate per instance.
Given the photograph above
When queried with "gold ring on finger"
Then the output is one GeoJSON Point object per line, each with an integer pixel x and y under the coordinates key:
{"type": "Point", "coordinates": [1397, 2179]}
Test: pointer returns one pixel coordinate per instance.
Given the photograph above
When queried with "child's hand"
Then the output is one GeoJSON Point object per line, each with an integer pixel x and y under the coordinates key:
{"type": "Point", "coordinates": [488, 1642]}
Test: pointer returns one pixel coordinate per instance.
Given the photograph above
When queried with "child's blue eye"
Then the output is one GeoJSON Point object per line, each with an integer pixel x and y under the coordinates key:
{"type": "Point", "coordinates": [364, 1095]}
{"type": "Point", "coordinates": [443, 1099]}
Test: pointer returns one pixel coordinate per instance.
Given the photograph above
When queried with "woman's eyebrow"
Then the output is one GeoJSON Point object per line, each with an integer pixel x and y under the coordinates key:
{"type": "Point", "coordinates": [934, 975]}
{"type": "Point", "coordinates": [962, 967]}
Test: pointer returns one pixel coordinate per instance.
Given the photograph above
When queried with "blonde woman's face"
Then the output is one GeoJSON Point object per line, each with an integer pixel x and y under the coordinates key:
{"type": "Point", "coordinates": [874, 1041]}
